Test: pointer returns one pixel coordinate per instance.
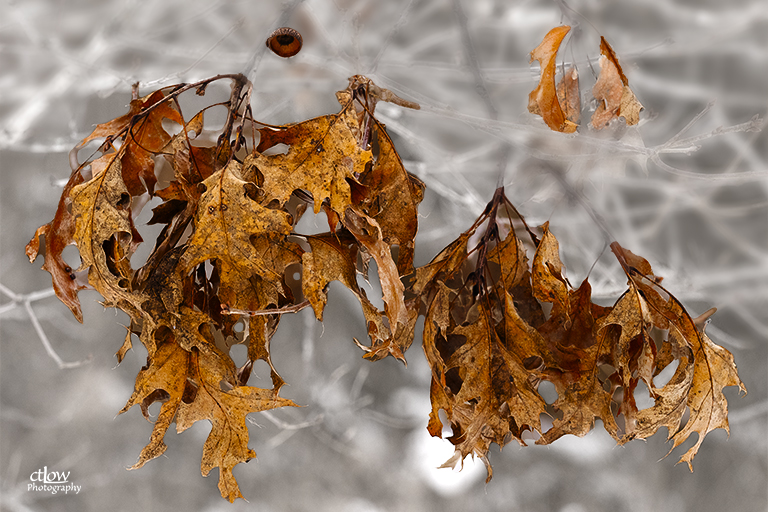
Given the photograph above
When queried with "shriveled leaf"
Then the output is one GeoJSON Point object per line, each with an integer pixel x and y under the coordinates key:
{"type": "Point", "coordinates": [59, 233]}
{"type": "Point", "coordinates": [104, 233]}
{"type": "Point", "coordinates": [142, 137]}
{"type": "Point", "coordinates": [165, 377]}
{"type": "Point", "coordinates": [393, 199]}
{"type": "Point", "coordinates": [333, 258]}
{"type": "Point", "coordinates": [549, 283]}
{"type": "Point", "coordinates": [368, 232]}
{"type": "Point", "coordinates": [713, 366]}
{"type": "Point", "coordinates": [543, 99]}
{"type": "Point", "coordinates": [612, 91]}
{"type": "Point", "coordinates": [569, 96]}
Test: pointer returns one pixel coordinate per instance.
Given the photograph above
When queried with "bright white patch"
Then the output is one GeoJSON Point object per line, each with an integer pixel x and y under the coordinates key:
{"type": "Point", "coordinates": [588, 449]}
{"type": "Point", "coordinates": [430, 453]}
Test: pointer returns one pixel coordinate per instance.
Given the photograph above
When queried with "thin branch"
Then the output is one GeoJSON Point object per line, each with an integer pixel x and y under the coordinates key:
{"type": "Point", "coordinates": [47, 344]}
{"type": "Point", "coordinates": [293, 308]}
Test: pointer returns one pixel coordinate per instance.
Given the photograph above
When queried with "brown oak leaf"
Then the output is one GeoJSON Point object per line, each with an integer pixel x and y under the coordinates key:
{"type": "Point", "coordinates": [612, 91]}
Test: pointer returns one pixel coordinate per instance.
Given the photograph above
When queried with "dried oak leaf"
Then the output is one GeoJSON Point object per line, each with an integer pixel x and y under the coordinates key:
{"type": "Point", "coordinates": [612, 91]}
{"type": "Point", "coordinates": [576, 374]}
{"type": "Point", "coordinates": [333, 258]}
{"type": "Point", "coordinates": [368, 233]}
{"type": "Point", "coordinates": [225, 222]}
{"type": "Point", "coordinates": [323, 158]}
{"type": "Point", "coordinates": [574, 353]}
{"type": "Point", "coordinates": [105, 235]}
{"type": "Point", "coordinates": [164, 377]}
{"type": "Point", "coordinates": [59, 233]}
{"type": "Point", "coordinates": [227, 444]}
{"type": "Point", "coordinates": [543, 99]}
{"type": "Point", "coordinates": [200, 384]}
{"type": "Point", "coordinates": [392, 199]}
{"type": "Point", "coordinates": [699, 387]}
{"type": "Point", "coordinates": [477, 344]}
{"type": "Point", "coordinates": [143, 137]}
{"type": "Point", "coordinates": [191, 165]}
{"type": "Point", "coordinates": [495, 400]}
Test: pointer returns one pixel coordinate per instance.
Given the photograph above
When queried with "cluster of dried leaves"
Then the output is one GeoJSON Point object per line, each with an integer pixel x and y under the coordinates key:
{"type": "Point", "coordinates": [560, 104]}
{"type": "Point", "coordinates": [491, 342]}
{"type": "Point", "coordinates": [222, 272]}
{"type": "Point", "coordinates": [228, 249]}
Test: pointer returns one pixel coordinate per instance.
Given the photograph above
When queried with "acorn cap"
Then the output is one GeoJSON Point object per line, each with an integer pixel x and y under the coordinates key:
{"type": "Point", "coordinates": [285, 42]}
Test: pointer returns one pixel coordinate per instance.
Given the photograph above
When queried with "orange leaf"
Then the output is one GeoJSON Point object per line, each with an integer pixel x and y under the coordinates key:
{"type": "Point", "coordinates": [543, 99]}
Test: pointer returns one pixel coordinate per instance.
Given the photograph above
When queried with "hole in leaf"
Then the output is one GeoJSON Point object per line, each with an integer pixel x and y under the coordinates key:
{"type": "Point", "coordinates": [548, 392]}
{"type": "Point", "coordinates": [642, 396]}
{"type": "Point", "coordinates": [71, 256]}
{"type": "Point", "coordinates": [663, 378]}
{"type": "Point", "coordinates": [239, 354]}
{"type": "Point", "coordinates": [277, 149]}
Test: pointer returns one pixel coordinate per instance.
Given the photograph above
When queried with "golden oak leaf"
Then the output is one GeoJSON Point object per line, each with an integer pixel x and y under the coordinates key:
{"type": "Point", "coordinates": [225, 222]}
{"type": "Point", "coordinates": [543, 99]}
{"type": "Point", "coordinates": [189, 382]}
{"type": "Point", "coordinates": [104, 233]}
{"type": "Point", "coordinates": [400, 341]}
{"type": "Point", "coordinates": [227, 443]}
{"type": "Point", "coordinates": [333, 258]}
{"type": "Point", "coordinates": [714, 369]}
{"type": "Point", "coordinates": [368, 233]}
{"type": "Point", "coordinates": [164, 377]}
{"type": "Point", "coordinates": [271, 291]}
{"type": "Point", "coordinates": [260, 331]}
{"type": "Point", "coordinates": [323, 157]}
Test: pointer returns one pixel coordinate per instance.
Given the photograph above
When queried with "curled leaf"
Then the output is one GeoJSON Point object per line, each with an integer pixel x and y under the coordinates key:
{"type": "Point", "coordinates": [543, 99]}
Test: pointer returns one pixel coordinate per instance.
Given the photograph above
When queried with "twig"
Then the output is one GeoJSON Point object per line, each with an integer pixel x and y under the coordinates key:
{"type": "Point", "coordinates": [47, 344]}
{"type": "Point", "coordinates": [293, 308]}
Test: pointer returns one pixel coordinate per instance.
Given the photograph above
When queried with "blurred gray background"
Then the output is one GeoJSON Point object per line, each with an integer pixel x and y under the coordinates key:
{"type": "Point", "coordinates": [695, 204]}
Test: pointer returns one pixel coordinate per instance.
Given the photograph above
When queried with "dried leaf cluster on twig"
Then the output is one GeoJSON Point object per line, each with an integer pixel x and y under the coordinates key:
{"type": "Point", "coordinates": [496, 324]}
